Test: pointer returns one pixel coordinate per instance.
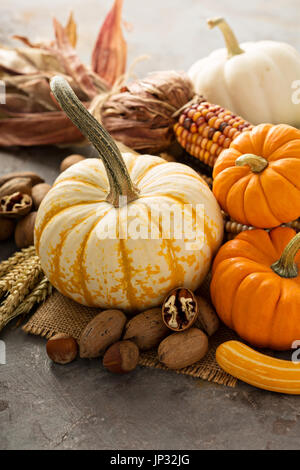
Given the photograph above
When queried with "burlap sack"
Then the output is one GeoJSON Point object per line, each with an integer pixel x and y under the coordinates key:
{"type": "Point", "coordinates": [60, 314]}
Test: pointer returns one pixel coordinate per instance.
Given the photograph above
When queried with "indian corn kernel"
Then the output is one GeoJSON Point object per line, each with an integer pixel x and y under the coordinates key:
{"type": "Point", "coordinates": [205, 129]}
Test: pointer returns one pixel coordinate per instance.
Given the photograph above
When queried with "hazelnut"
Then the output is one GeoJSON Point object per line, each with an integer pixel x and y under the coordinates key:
{"type": "Point", "coordinates": [39, 191]}
{"type": "Point", "coordinates": [62, 348]}
{"type": "Point", "coordinates": [70, 160]}
{"type": "Point", "coordinates": [16, 185]}
{"type": "Point", "coordinates": [7, 227]}
{"type": "Point", "coordinates": [24, 232]}
{"type": "Point", "coordinates": [121, 357]}
{"type": "Point", "coordinates": [179, 310]}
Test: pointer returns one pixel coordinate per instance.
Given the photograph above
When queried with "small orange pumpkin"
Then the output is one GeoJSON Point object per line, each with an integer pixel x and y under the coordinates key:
{"type": "Point", "coordinates": [256, 180]}
{"type": "Point", "coordinates": [255, 286]}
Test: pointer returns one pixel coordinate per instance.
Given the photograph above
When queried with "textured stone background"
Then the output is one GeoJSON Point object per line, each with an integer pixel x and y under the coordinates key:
{"type": "Point", "coordinates": [80, 406]}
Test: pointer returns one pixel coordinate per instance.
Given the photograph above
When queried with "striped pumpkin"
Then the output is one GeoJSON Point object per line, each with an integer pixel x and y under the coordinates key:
{"type": "Point", "coordinates": [80, 233]}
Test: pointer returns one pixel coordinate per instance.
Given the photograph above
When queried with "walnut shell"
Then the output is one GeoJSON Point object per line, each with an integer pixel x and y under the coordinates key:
{"type": "Point", "coordinates": [146, 329]}
{"type": "Point", "coordinates": [102, 331]}
{"type": "Point", "coordinates": [15, 205]}
{"type": "Point", "coordinates": [183, 349]}
{"type": "Point", "coordinates": [7, 227]}
{"type": "Point", "coordinates": [24, 233]}
{"type": "Point", "coordinates": [39, 191]}
{"type": "Point", "coordinates": [70, 160]}
{"type": "Point", "coordinates": [122, 357]}
{"type": "Point", "coordinates": [179, 309]}
{"type": "Point", "coordinates": [16, 185]}
{"type": "Point", "coordinates": [35, 179]}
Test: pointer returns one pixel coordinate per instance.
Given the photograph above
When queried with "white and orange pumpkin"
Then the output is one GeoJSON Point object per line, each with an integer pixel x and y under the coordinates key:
{"type": "Point", "coordinates": [82, 232]}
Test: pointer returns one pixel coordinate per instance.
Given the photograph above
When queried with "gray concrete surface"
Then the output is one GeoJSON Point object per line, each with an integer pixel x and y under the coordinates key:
{"type": "Point", "coordinates": [81, 406]}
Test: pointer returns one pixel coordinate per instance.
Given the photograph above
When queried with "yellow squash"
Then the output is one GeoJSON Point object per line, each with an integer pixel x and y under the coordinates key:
{"type": "Point", "coordinates": [257, 369]}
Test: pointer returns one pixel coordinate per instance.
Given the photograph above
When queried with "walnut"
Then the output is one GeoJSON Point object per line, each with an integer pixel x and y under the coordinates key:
{"type": "Point", "coordinates": [15, 205]}
{"type": "Point", "coordinates": [180, 309]}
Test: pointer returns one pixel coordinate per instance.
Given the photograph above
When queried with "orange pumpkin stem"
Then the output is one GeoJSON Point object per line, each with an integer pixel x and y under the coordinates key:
{"type": "Point", "coordinates": [119, 180]}
{"type": "Point", "coordinates": [233, 47]}
{"type": "Point", "coordinates": [286, 266]}
{"type": "Point", "coordinates": [256, 163]}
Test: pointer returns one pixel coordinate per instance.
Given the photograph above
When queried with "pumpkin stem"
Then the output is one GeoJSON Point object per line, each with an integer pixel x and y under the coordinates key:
{"type": "Point", "coordinates": [119, 180]}
{"type": "Point", "coordinates": [233, 47]}
{"type": "Point", "coordinates": [256, 163]}
{"type": "Point", "coordinates": [286, 266]}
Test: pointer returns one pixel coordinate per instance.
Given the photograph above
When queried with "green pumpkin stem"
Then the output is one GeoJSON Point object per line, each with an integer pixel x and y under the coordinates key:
{"type": "Point", "coordinates": [256, 163]}
{"type": "Point", "coordinates": [119, 180]}
{"type": "Point", "coordinates": [286, 266]}
{"type": "Point", "coordinates": [233, 47]}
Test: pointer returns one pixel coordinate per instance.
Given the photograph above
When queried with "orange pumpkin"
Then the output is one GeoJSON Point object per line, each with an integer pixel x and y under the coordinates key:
{"type": "Point", "coordinates": [256, 180]}
{"type": "Point", "coordinates": [255, 286]}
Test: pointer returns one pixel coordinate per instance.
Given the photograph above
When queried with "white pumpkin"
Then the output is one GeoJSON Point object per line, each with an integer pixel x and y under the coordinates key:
{"type": "Point", "coordinates": [253, 80]}
{"type": "Point", "coordinates": [73, 222]}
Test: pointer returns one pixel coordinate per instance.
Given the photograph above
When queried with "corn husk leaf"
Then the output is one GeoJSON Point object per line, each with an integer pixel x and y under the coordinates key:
{"type": "Point", "coordinates": [30, 114]}
{"type": "Point", "coordinates": [110, 52]}
{"type": "Point", "coordinates": [71, 30]}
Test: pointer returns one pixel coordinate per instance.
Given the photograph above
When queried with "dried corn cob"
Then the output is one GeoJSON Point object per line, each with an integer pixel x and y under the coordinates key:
{"type": "Point", "coordinates": [232, 227]}
{"type": "Point", "coordinates": [204, 130]}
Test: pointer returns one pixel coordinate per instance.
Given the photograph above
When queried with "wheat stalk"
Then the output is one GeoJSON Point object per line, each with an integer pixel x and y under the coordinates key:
{"type": "Point", "coordinates": [16, 259]}
{"type": "Point", "coordinates": [14, 275]}
{"type": "Point", "coordinates": [22, 285]}
{"type": "Point", "coordinates": [27, 280]}
{"type": "Point", "coordinates": [38, 295]}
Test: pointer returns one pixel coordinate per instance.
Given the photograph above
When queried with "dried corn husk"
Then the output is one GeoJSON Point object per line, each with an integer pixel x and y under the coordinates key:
{"type": "Point", "coordinates": [31, 115]}
{"type": "Point", "coordinates": [141, 114]}
{"type": "Point", "coordinates": [110, 52]}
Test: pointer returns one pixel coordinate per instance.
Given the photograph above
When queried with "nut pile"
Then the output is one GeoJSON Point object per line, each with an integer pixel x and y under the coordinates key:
{"type": "Point", "coordinates": [21, 194]}
{"type": "Point", "coordinates": [179, 331]}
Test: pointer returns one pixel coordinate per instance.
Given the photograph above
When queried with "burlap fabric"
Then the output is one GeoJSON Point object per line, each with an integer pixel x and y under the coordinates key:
{"type": "Point", "coordinates": [60, 314]}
